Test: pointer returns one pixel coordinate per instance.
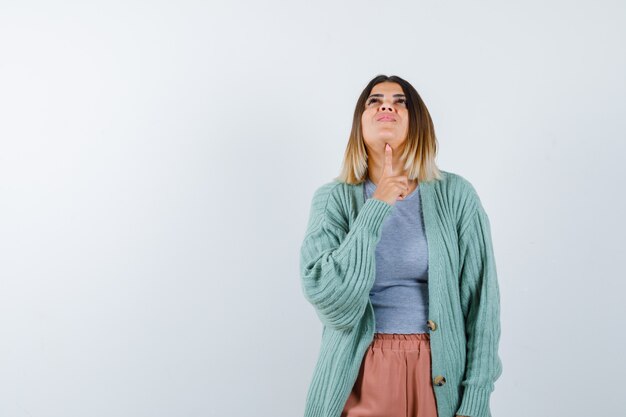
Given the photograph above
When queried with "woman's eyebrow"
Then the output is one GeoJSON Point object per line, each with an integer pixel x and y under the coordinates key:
{"type": "Point", "coordinates": [382, 95]}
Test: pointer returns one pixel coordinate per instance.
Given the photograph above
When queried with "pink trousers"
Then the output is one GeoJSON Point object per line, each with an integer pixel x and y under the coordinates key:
{"type": "Point", "coordinates": [394, 379]}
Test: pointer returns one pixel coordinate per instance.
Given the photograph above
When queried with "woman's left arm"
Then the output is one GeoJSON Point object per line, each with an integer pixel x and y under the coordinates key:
{"type": "Point", "coordinates": [481, 294]}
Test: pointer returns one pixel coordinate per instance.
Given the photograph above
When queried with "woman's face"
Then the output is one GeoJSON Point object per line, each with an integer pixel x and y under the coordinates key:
{"type": "Point", "coordinates": [385, 119]}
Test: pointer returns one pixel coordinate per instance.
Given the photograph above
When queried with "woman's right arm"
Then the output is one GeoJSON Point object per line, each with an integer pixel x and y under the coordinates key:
{"type": "Point", "coordinates": [337, 267]}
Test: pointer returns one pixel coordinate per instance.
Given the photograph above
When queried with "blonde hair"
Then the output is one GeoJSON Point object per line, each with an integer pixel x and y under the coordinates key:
{"type": "Point", "coordinates": [420, 148]}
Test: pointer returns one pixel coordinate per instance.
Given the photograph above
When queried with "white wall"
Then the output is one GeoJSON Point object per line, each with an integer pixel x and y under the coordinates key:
{"type": "Point", "coordinates": [157, 161]}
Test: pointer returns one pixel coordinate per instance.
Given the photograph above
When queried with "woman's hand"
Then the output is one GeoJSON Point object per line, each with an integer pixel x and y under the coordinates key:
{"type": "Point", "coordinates": [391, 187]}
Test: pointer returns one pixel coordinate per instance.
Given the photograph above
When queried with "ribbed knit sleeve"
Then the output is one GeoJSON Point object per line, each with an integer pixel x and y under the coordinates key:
{"type": "Point", "coordinates": [480, 292]}
{"type": "Point", "coordinates": [337, 266]}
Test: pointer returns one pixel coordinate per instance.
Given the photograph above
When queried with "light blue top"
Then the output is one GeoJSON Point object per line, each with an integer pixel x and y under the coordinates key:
{"type": "Point", "coordinates": [400, 291]}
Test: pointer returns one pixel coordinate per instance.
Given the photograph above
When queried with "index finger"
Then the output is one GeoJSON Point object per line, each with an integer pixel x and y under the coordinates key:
{"type": "Point", "coordinates": [387, 168]}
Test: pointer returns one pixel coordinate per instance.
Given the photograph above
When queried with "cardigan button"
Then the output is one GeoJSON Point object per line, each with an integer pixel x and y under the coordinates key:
{"type": "Point", "coordinates": [432, 325]}
{"type": "Point", "coordinates": [439, 380]}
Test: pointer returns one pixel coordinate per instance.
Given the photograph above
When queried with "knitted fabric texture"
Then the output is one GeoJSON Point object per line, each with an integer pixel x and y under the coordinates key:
{"type": "Point", "coordinates": [337, 271]}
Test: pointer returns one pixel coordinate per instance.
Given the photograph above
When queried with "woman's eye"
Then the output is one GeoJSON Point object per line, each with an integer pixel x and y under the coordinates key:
{"type": "Point", "coordinates": [401, 100]}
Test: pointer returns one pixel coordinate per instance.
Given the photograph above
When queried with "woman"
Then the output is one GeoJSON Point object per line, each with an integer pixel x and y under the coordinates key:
{"type": "Point", "coordinates": [397, 261]}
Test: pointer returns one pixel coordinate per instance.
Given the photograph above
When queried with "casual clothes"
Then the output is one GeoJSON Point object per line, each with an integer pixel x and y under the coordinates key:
{"type": "Point", "coordinates": [337, 270]}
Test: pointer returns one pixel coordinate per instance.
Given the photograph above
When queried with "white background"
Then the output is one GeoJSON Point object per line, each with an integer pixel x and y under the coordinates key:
{"type": "Point", "coordinates": [157, 162]}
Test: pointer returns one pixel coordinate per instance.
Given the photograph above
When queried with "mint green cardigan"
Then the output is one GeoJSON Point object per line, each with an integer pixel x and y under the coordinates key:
{"type": "Point", "coordinates": [337, 271]}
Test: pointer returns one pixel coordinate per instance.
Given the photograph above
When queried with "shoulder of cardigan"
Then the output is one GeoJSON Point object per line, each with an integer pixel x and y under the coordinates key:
{"type": "Point", "coordinates": [457, 188]}
{"type": "Point", "coordinates": [459, 194]}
